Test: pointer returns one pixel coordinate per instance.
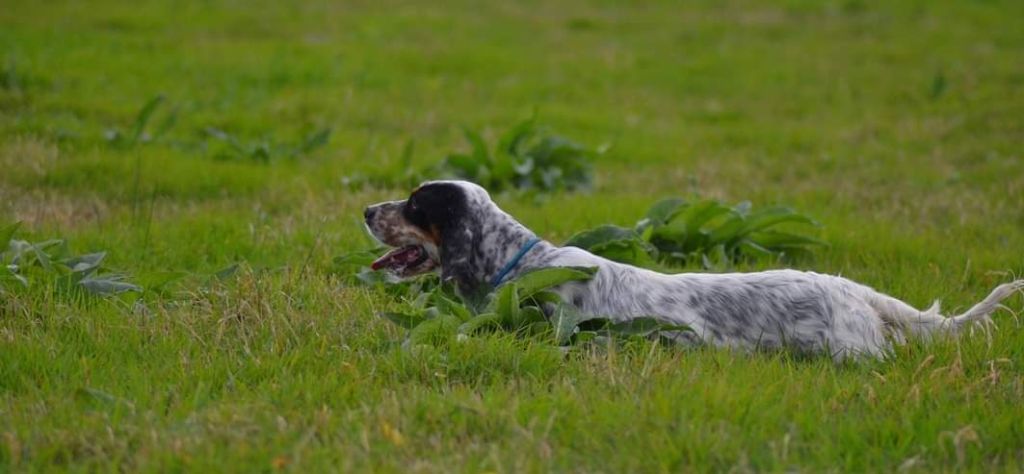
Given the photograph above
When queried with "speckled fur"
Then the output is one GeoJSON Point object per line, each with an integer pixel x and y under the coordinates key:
{"type": "Point", "coordinates": [805, 311]}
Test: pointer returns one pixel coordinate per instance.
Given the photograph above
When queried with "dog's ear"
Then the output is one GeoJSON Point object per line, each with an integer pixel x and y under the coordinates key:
{"type": "Point", "coordinates": [459, 262]}
{"type": "Point", "coordinates": [443, 210]}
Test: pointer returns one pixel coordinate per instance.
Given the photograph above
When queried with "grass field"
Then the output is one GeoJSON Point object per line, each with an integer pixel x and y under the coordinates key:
{"type": "Point", "coordinates": [898, 125]}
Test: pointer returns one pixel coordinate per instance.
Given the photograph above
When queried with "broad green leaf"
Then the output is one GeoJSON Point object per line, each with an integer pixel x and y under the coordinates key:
{"type": "Point", "coordinates": [485, 321]}
{"type": "Point", "coordinates": [448, 306]}
{"type": "Point", "coordinates": [599, 235]}
{"type": "Point", "coordinates": [505, 302]}
{"type": "Point", "coordinates": [594, 324]}
{"type": "Point", "coordinates": [594, 340]}
{"type": "Point", "coordinates": [661, 212]}
{"type": "Point", "coordinates": [405, 320]}
{"type": "Point", "coordinates": [85, 264]}
{"type": "Point", "coordinates": [729, 230]}
{"type": "Point", "coordinates": [696, 216]}
{"type": "Point", "coordinates": [528, 315]}
{"type": "Point", "coordinates": [40, 256]}
{"type": "Point", "coordinates": [716, 258]}
{"type": "Point", "coordinates": [107, 285]}
{"type": "Point", "coordinates": [541, 297]}
{"type": "Point", "coordinates": [564, 321]}
{"type": "Point", "coordinates": [764, 218]}
{"type": "Point", "coordinates": [435, 331]}
{"type": "Point", "coordinates": [538, 329]}
{"type": "Point", "coordinates": [636, 327]}
{"type": "Point", "coordinates": [534, 281]}
{"type": "Point", "coordinates": [56, 249]}
{"type": "Point", "coordinates": [639, 326]}
{"type": "Point", "coordinates": [752, 249]}
{"type": "Point", "coordinates": [776, 240]}
{"type": "Point", "coordinates": [683, 233]}
{"type": "Point", "coordinates": [633, 252]}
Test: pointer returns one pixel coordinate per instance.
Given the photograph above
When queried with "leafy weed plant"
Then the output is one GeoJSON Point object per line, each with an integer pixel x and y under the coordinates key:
{"type": "Point", "coordinates": [678, 232]}
{"type": "Point", "coordinates": [140, 131]}
{"type": "Point", "coordinates": [23, 261]}
{"type": "Point", "coordinates": [229, 147]}
{"type": "Point", "coordinates": [528, 156]}
{"type": "Point", "coordinates": [525, 306]}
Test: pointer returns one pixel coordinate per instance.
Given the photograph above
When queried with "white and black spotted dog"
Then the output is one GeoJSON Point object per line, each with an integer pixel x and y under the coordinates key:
{"type": "Point", "coordinates": [456, 226]}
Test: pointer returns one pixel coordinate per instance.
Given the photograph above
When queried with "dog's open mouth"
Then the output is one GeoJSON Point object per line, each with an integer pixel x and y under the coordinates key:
{"type": "Point", "coordinates": [402, 258]}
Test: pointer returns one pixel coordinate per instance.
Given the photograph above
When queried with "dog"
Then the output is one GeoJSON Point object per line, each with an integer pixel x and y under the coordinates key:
{"type": "Point", "coordinates": [454, 226]}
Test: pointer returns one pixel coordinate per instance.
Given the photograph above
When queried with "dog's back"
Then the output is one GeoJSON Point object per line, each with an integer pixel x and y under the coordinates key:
{"type": "Point", "coordinates": [805, 311]}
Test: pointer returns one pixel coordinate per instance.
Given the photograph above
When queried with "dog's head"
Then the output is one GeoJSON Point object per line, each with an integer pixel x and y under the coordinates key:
{"type": "Point", "coordinates": [437, 226]}
{"type": "Point", "coordinates": [451, 225]}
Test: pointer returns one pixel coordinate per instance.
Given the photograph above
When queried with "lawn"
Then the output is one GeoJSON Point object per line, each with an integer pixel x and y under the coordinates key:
{"type": "Point", "coordinates": [898, 125]}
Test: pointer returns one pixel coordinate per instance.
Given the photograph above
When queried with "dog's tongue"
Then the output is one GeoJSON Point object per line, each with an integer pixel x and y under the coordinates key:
{"type": "Point", "coordinates": [396, 258]}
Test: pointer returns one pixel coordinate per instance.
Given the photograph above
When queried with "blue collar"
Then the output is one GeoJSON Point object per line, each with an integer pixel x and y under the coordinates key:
{"type": "Point", "coordinates": [515, 261]}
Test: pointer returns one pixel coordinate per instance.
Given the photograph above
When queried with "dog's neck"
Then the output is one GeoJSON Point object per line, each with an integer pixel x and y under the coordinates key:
{"type": "Point", "coordinates": [501, 239]}
{"type": "Point", "coordinates": [498, 240]}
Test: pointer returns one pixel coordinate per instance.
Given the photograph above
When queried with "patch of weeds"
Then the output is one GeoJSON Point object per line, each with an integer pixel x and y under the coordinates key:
{"type": "Point", "coordinates": [22, 262]}
{"type": "Point", "coordinates": [18, 80]}
{"type": "Point", "coordinates": [10, 80]}
{"type": "Point", "coordinates": [140, 131]}
{"type": "Point", "coordinates": [151, 124]}
{"type": "Point", "coordinates": [678, 232]}
{"type": "Point", "coordinates": [528, 157]}
{"type": "Point", "coordinates": [525, 306]}
{"type": "Point", "coordinates": [229, 147]}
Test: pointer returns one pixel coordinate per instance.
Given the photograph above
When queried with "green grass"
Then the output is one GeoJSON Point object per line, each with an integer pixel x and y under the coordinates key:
{"type": "Point", "coordinates": [897, 125]}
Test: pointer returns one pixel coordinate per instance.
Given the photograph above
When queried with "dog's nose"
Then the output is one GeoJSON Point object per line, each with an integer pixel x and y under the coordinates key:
{"type": "Point", "coordinates": [369, 212]}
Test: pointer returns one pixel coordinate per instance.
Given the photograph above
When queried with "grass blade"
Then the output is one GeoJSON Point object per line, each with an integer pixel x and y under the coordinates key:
{"type": "Point", "coordinates": [143, 117]}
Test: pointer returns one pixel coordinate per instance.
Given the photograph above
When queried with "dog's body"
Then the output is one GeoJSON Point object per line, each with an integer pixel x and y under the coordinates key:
{"type": "Point", "coordinates": [455, 225]}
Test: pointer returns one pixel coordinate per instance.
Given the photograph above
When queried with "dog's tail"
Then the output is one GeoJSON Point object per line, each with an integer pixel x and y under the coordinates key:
{"type": "Point", "coordinates": [923, 323]}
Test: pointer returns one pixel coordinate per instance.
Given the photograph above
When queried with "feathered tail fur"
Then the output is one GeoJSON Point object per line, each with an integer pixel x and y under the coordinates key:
{"type": "Point", "coordinates": [929, 321]}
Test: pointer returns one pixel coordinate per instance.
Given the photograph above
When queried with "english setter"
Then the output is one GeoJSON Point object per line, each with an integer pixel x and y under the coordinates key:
{"type": "Point", "coordinates": [456, 226]}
